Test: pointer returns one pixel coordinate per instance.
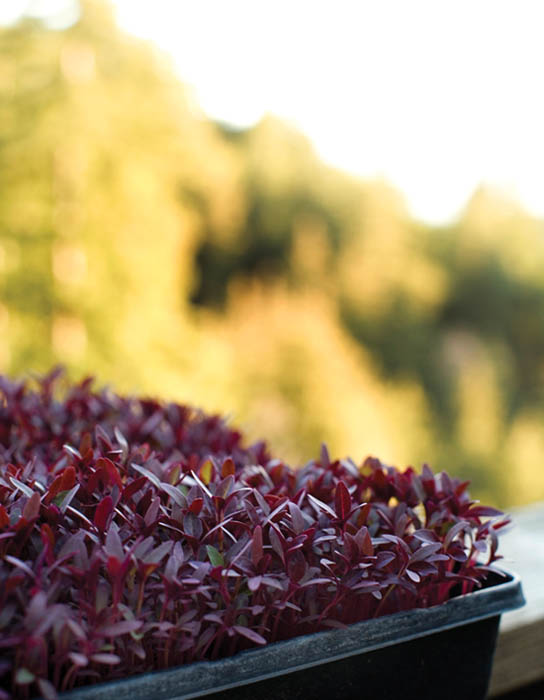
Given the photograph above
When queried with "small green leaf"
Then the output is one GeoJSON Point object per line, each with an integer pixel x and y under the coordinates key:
{"type": "Point", "coordinates": [24, 676]}
{"type": "Point", "coordinates": [59, 498]}
{"type": "Point", "coordinates": [215, 557]}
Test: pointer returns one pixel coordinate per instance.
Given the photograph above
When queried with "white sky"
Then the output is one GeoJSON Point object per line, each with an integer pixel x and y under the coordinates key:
{"type": "Point", "coordinates": [436, 96]}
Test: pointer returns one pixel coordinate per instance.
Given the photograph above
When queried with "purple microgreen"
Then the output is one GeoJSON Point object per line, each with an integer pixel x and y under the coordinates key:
{"type": "Point", "coordinates": [342, 501]}
{"type": "Point", "coordinates": [148, 475]}
{"type": "Point", "coordinates": [68, 498]}
{"type": "Point", "coordinates": [257, 551]}
{"type": "Point", "coordinates": [297, 518]}
{"type": "Point", "coordinates": [105, 658]}
{"type": "Point", "coordinates": [22, 487]}
{"type": "Point", "coordinates": [103, 513]}
{"type": "Point", "coordinates": [139, 535]}
{"type": "Point", "coordinates": [32, 507]}
{"type": "Point", "coordinates": [201, 484]}
{"type": "Point", "coordinates": [19, 564]}
{"type": "Point", "coordinates": [320, 506]}
{"type": "Point", "coordinates": [250, 634]}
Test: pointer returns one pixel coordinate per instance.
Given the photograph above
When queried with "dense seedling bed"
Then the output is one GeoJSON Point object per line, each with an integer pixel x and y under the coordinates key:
{"type": "Point", "coordinates": [137, 535]}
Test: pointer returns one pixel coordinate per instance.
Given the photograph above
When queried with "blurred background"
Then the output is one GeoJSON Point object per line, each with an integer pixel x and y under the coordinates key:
{"type": "Point", "coordinates": [322, 220]}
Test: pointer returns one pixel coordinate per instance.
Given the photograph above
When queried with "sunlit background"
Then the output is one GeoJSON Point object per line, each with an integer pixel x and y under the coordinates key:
{"type": "Point", "coordinates": [324, 220]}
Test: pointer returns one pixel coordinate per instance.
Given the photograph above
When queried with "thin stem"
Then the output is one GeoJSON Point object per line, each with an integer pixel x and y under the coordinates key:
{"type": "Point", "coordinates": [384, 598]}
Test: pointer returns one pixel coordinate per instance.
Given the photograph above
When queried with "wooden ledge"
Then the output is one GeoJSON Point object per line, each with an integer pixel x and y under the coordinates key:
{"type": "Point", "coordinates": [519, 657]}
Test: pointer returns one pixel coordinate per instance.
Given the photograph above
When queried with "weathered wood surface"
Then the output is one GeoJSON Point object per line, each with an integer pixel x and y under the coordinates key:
{"type": "Point", "coordinates": [519, 658]}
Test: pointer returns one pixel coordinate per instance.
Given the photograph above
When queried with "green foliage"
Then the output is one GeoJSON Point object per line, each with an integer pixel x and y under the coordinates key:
{"type": "Point", "coordinates": [166, 254]}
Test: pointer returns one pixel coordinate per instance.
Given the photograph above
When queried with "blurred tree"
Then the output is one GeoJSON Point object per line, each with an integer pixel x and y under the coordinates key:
{"type": "Point", "coordinates": [233, 269]}
{"type": "Point", "coordinates": [99, 145]}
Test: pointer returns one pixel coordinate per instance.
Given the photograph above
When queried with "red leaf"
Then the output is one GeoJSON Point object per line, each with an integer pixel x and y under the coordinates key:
{"type": "Point", "coordinates": [114, 567]}
{"type": "Point", "coordinates": [315, 582]}
{"type": "Point", "coordinates": [85, 443]}
{"type": "Point", "coordinates": [133, 487]}
{"type": "Point", "coordinates": [351, 547]}
{"type": "Point", "coordinates": [103, 512]}
{"type": "Point", "coordinates": [413, 575]}
{"type": "Point", "coordinates": [297, 518]}
{"type": "Point", "coordinates": [118, 628]}
{"type": "Point", "coordinates": [276, 510]}
{"type": "Point", "coordinates": [68, 479]}
{"type": "Point", "coordinates": [319, 505]}
{"type": "Point", "coordinates": [364, 541]}
{"type": "Point", "coordinates": [4, 517]}
{"type": "Point", "coordinates": [425, 551]}
{"type": "Point", "coordinates": [261, 501]}
{"type": "Point", "coordinates": [54, 489]}
{"type": "Point", "coordinates": [175, 494]}
{"type": "Point", "coordinates": [78, 659]}
{"type": "Point", "coordinates": [192, 525]}
{"type": "Point", "coordinates": [152, 513]}
{"type": "Point", "coordinates": [19, 564]}
{"type": "Point", "coordinates": [483, 511]}
{"type": "Point", "coordinates": [147, 569]}
{"type": "Point", "coordinates": [32, 507]}
{"type": "Point", "coordinates": [47, 689]}
{"type": "Point", "coordinates": [72, 452]}
{"type": "Point", "coordinates": [276, 543]}
{"type": "Point", "coordinates": [102, 437]}
{"type": "Point", "coordinates": [342, 501]}
{"type": "Point", "coordinates": [296, 566]}
{"type": "Point", "coordinates": [196, 506]}
{"type": "Point", "coordinates": [324, 456]}
{"type": "Point", "coordinates": [92, 483]}
{"type": "Point", "coordinates": [228, 468]}
{"type": "Point", "coordinates": [249, 634]}
{"type": "Point", "coordinates": [110, 659]}
{"type": "Point", "coordinates": [277, 473]}
{"type": "Point", "coordinates": [114, 545]}
{"type": "Point", "coordinates": [257, 545]}
{"type": "Point", "coordinates": [111, 470]}
{"type": "Point", "coordinates": [362, 517]}
{"type": "Point", "coordinates": [223, 489]}
{"type": "Point", "coordinates": [254, 583]}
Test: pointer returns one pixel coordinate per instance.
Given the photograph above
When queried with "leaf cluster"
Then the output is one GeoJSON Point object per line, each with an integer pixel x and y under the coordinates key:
{"type": "Point", "coordinates": [137, 535]}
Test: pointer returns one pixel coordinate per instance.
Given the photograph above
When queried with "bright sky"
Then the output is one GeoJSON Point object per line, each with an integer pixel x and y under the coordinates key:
{"type": "Point", "coordinates": [435, 96]}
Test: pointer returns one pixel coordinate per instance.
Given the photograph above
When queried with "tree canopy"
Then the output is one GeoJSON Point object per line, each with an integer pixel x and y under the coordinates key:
{"type": "Point", "coordinates": [167, 254]}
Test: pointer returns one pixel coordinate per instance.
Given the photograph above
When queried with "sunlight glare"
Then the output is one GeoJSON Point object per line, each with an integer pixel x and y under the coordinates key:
{"type": "Point", "coordinates": [55, 14]}
{"type": "Point", "coordinates": [11, 12]}
{"type": "Point", "coordinates": [434, 97]}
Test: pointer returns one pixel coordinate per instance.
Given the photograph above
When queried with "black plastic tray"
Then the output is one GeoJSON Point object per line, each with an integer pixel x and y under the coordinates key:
{"type": "Point", "coordinates": [445, 651]}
